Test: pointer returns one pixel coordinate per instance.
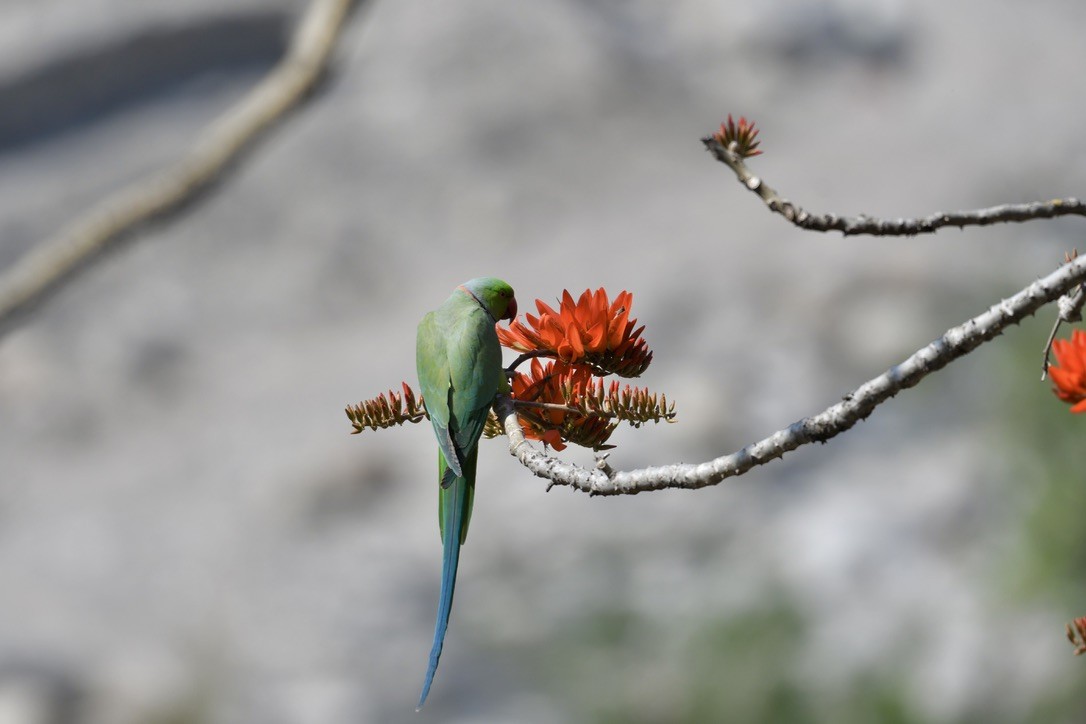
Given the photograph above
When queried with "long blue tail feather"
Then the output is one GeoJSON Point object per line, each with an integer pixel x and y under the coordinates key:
{"type": "Point", "coordinates": [455, 512]}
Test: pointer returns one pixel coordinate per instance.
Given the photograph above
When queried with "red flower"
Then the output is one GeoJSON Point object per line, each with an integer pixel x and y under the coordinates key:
{"type": "Point", "coordinates": [1076, 634]}
{"type": "Point", "coordinates": [741, 134]}
{"type": "Point", "coordinates": [560, 387]}
{"type": "Point", "coordinates": [559, 403]}
{"type": "Point", "coordinates": [591, 330]}
{"type": "Point", "coordinates": [1070, 376]}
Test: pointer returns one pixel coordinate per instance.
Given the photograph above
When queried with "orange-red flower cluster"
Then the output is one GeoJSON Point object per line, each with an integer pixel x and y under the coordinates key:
{"type": "Point", "coordinates": [592, 331]}
{"type": "Point", "coordinates": [573, 405]}
{"type": "Point", "coordinates": [560, 386]}
{"type": "Point", "coordinates": [743, 134]}
{"type": "Point", "coordinates": [1069, 377]}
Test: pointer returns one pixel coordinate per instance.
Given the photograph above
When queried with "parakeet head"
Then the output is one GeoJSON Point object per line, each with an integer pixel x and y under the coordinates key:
{"type": "Point", "coordinates": [495, 295]}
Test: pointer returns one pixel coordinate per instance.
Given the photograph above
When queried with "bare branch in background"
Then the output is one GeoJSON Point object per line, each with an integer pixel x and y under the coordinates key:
{"type": "Point", "coordinates": [44, 270]}
{"type": "Point", "coordinates": [850, 225]}
{"type": "Point", "coordinates": [855, 406]}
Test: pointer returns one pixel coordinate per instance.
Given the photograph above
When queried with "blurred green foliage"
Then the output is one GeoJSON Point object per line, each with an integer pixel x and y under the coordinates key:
{"type": "Point", "coordinates": [617, 667]}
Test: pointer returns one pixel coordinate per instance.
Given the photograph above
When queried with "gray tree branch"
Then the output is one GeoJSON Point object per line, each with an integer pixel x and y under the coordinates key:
{"type": "Point", "coordinates": [45, 269]}
{"type": "Point", "coordinates": [834, 420]}
{"type": "Point", "coordinates": [850, 225]}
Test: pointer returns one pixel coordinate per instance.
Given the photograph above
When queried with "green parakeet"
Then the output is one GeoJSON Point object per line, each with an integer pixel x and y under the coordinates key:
{"type": "Point", "coordinates": [460, 371]}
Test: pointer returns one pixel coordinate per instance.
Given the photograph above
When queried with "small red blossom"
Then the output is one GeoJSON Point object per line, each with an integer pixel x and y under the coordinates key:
{"type": "Point", "coordinates": [1076, 634]}
{"type": "Point", "coordinates": [591, 330]}
{"type": "Point", "coordinates": [742, 134]}
{"type": "Point", "coordinates": [1069, 377]}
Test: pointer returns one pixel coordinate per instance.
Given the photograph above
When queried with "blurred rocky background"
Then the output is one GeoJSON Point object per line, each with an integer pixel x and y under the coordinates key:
{"type": "Point", "coordinates": [189, 534]}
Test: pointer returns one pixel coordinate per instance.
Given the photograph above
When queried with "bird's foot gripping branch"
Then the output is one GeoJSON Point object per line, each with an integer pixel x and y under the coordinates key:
{"type": "Point", "coordinates": [564, 395]}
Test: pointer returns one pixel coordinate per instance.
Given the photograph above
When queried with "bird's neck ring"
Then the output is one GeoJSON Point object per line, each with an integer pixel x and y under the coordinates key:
{"type": "Point", "coordinates": [478, 301]}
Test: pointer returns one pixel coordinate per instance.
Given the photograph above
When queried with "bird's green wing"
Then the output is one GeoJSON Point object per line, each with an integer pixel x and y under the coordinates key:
{"type": "Point", "coordinates": [432, 361]}
{"type": "Point", "coordinates": [475, 371]}
{"type": "Point", "coordinates": [459, 367]}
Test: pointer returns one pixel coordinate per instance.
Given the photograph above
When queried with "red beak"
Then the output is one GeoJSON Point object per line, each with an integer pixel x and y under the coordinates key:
{"type": "Point", "coordinates": [511, 310]}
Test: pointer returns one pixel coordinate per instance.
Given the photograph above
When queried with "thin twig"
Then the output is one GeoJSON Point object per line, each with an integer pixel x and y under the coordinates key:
{"type": "Point", "coordinates": [553, 406]}
{"type": "Point", "coordinates": [44, 270]}
{"type": "Point", "coordinates": [1070, 311]}
{"type": "Point", "coordinates": [862, 224]}
{"type": "Point", "coordinates": [1048, 348]}
{"type": "Point", "coordinates": [527, 356]}
{"type": "Point", "coordinates": [855, 406]}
